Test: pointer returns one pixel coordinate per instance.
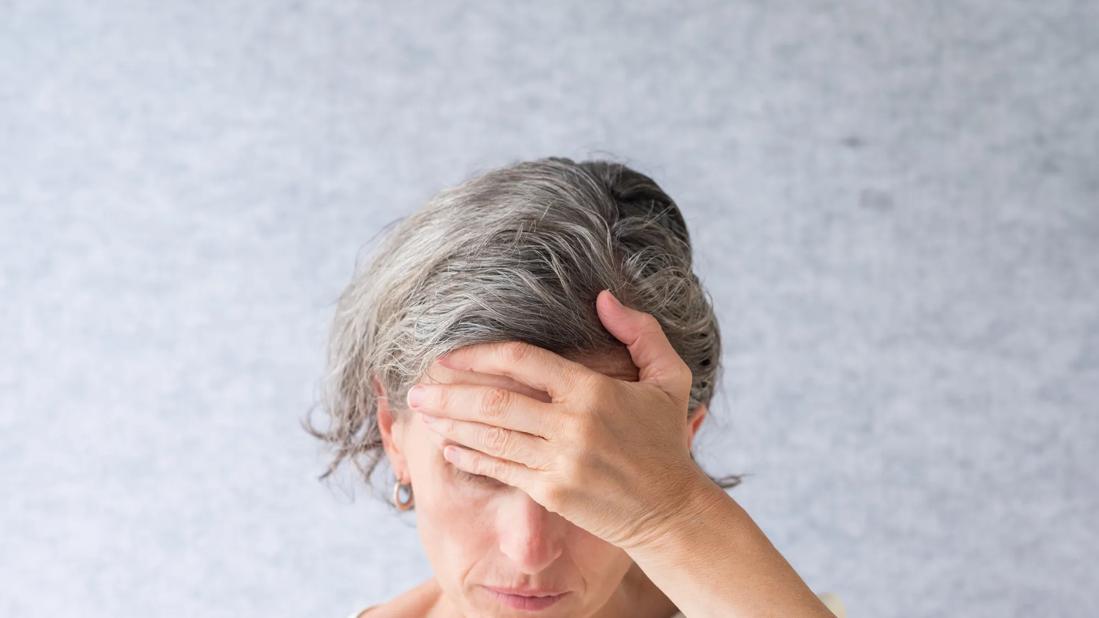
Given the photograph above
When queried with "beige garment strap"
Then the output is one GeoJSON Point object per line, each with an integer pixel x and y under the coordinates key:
{"type": "Point", "coordinates": [833, 603]}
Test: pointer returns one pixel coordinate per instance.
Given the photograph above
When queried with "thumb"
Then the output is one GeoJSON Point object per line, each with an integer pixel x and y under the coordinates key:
{"type": "Point", "coordinates": [656, 360]}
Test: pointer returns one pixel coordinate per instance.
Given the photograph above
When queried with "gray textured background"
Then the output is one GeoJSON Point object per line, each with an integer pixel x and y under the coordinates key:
{"type": "Point", "coordinates": [895, 206]}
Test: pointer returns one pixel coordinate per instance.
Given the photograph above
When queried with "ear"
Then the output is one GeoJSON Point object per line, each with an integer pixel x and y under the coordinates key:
{"type": "Point", "coordinates": [693, 425]}
{"type": "Point", "coordinates": [391, 430]}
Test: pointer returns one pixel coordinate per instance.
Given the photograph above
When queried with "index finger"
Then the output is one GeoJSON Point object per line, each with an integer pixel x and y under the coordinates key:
{"type": "Point", "coordinates": [438, 373]}
{"type": "Point", "coordinates": [521, 361]}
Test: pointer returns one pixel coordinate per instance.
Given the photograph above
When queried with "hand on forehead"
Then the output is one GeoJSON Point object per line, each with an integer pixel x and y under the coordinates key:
{"type": "Point", "coordinates": [438, 374]}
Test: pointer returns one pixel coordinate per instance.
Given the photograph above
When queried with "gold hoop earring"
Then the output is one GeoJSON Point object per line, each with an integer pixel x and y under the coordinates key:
{"type": "Point", "coordinates": [403, 505]}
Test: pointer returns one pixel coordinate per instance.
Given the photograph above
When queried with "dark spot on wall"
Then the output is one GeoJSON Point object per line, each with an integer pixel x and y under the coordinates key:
{"type": "Point", "coordinates": [875, 199]}
{"type": "Point", "coordinates": [853, 141]}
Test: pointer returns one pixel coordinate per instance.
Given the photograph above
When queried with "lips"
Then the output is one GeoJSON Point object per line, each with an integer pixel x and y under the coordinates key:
{"type": "Point", "coordinates": [525, 598]}
{"type": "Point", "coordinates": [527, 592]}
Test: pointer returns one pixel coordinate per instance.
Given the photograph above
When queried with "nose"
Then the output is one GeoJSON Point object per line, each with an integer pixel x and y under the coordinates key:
{"type": "Point", "coordinates": [530, 536]}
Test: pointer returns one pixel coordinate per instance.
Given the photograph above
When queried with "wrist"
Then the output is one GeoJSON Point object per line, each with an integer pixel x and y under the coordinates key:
{"type": "Point", "coordinates": [684, 518]}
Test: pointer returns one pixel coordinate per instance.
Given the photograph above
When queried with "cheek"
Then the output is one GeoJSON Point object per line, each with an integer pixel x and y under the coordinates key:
{"type": "Point", "coordinates": [454, 536]}
{"type": "Point", "coordinates": [452, 503]}
{"type": "Point", "coordinates": [602, 564]}
{"type": "Point", "coordinates": [454, 519]}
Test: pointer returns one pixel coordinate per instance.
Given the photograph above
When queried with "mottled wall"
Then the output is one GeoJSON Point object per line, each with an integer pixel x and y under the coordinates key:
{"type": "Point", "coordinates": [896, 210]}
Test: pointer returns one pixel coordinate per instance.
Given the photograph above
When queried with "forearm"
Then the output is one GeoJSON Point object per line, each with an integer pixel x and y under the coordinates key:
{"type": "Point", "coordinates": [713, 560]}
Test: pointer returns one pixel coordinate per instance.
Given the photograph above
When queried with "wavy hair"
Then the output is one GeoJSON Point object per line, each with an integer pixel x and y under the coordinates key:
{"type": "Point", "coordinates": [518, 252]}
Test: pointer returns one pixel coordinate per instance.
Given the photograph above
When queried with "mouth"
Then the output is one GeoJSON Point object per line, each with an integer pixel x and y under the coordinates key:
{"type": "Point", "coordinates": [532, 601]}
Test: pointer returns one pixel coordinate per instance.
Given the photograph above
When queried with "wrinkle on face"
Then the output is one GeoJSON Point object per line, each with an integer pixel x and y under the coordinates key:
{"type": "Point", "coordinates": [476, 534]}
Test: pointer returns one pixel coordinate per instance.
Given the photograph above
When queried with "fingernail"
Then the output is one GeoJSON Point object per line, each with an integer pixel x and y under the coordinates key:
{"type": "Point", "coordinates": [429, 419]}
{"type": "Point", "coordinates": [415, 396]}
{"type": "Point", "coordinates": [451, 454]}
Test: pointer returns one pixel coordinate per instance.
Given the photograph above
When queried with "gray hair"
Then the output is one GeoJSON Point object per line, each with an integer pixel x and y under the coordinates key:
{"type": "Point", "coordinates": [519, 252]}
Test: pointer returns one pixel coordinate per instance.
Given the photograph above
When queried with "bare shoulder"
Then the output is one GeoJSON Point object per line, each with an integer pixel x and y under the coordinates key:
{"type": "Point", "coordinates": [413, 602]}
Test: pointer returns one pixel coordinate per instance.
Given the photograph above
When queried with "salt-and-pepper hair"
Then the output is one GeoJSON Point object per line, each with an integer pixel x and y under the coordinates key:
{"type": "Point", "coordinates": [519, 252]}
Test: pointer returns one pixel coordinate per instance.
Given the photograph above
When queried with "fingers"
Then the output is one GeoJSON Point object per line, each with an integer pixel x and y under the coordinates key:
{"type": "Point", "coordinates": [492, 405]}
{"type": "Point", "coordinates": [502, 443]}
{"type": "Point", "coordinates": [529, 364]}
{"type": "Point", "coordinates": [438, 373]}
{"type": "Point", "coordinates": [508, 472]}
{"type": "Point", "coordinates": [656, 359]}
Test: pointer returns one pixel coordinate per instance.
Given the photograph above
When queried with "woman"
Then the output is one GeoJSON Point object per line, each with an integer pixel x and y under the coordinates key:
{"type": "Point", "coordinates": [563, 356]}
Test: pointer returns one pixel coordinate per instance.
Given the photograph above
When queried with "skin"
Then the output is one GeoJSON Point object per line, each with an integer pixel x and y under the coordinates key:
{"type": "Point", "coordinates": [589, 471]}
{"type": "Point", "coordinates": [481, 531]}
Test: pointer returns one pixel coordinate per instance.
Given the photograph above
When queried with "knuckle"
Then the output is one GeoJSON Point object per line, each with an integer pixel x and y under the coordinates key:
{"type": "Point", "coordinates": [587, 381]}
{"type": "Point", "coordinates": [552, 495]}
{"type": "Point", "coordinates": [495, 401]}
{"type": "Point", "coordinates": [571, 467]}
{"type": "Point", "coordinates": [496, 439]}
{"type": "Point", "coordinates": [685, 371]}
{"type": "Point", "coordinates": [472, 462]}
{"type": "Point", "coordinates": [515, 351]}
{"type": "Point", "coordinates": [598, 388]}
{"type": "Point", "coordinates": [571, 425]}
{"type": "Point", "coordinates": [579, 428]}
{"type": "Point", "coordinates": [491, 467]}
